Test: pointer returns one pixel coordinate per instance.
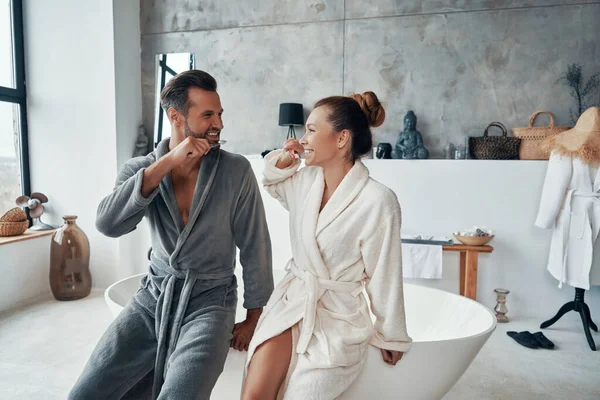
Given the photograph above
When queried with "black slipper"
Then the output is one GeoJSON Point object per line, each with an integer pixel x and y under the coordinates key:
{"type": "Point", "coordinates": [544, 342]}
{"type": "Point", "coordinates": [524, 338]}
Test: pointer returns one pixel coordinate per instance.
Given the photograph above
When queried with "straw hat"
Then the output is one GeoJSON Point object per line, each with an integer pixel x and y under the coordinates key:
{"type": "Point", "coordinates": [582, 141]}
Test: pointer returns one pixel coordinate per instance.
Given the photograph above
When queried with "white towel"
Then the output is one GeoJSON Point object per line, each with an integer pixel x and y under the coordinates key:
{"type": "Point", "coordinates": [421, 261]}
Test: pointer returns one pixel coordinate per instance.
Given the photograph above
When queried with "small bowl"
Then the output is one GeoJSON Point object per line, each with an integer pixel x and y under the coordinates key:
{"type": "Point", "coordinates": [474, 240]}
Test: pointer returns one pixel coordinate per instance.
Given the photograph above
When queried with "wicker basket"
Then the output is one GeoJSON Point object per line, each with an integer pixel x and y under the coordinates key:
{"type": "Point", "coordinates": [14, 215]}
{"type": "Point", "coordinates": [532, 138]}
{"type": "Point", "coordinates": [494, 147]}
{"type": "Point", "coordinates": [13, 228]}
{"type": "Point", "coordinates": [474, 240]}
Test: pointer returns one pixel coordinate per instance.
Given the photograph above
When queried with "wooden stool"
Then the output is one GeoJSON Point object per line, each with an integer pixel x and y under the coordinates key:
{"type": "Point", "coordinates": [469, 257]}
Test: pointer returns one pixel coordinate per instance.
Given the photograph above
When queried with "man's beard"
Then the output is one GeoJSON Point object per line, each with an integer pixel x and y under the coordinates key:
{"type": "Point", "coordinates": [200, 135]}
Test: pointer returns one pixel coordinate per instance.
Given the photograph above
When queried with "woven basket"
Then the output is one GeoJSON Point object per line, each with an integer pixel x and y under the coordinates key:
{"type": "Point", "coordinates": [494, 147]}
{"type": "Point", "coordinates": [14, 215]}
{"type": "Point", "coordinates": [533, 136]}
{"type": "Point", "coordinates": [13, 228]}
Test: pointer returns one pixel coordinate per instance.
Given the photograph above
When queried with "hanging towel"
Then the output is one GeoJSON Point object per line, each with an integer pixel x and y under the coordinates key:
{"type": "Point", "coordinates": [421, 261]}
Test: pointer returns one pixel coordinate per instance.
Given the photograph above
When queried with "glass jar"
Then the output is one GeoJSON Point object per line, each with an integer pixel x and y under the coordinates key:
{"type": "Point", "coordinates": [70, 277]}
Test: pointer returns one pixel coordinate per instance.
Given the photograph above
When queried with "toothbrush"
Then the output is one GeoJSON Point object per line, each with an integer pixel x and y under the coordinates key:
{"type": "Point", "coordinates": [217, 143]}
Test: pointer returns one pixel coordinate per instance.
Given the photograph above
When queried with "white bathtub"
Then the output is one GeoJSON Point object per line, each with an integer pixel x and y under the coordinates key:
{"type": "Point", "coordinates": [448, 331]}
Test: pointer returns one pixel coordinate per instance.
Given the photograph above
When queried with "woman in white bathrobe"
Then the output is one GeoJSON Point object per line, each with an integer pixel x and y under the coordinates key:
{"type": "Point", "coordinates": [312, 337]}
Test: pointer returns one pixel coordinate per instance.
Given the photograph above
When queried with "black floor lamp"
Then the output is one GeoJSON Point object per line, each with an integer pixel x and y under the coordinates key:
{"type": "Point", "coordinates": [291, 114]}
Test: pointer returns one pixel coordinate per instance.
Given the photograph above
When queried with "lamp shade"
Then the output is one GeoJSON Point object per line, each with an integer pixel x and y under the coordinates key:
{"type": "Point", "coordinates": [291, 114]}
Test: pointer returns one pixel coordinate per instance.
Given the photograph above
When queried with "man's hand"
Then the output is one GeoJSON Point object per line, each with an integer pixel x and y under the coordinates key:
{"type": "Point", "coordinates": [391, 357]}
{"type": "Point", "coordinates": [243, 332]}
{"type": "Point", "coordinates": [190, 148]}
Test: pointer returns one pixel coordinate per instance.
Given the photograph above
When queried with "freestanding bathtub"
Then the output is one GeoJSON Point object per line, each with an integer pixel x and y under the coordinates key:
{"type": "Point", "coordinates": [447, 331]}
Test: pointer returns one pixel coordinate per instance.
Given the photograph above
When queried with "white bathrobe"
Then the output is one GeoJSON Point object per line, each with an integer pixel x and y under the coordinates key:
{"type": "Point", "coordinates": [354, 243]}
{"type": "Point", "coordinates": [570, 204]}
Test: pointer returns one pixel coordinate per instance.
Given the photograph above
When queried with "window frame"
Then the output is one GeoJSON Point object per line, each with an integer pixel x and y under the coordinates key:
{"type": "Point", "coordinates": [18, 94]}
{"type": "Point", "coordinates": [163, 69]}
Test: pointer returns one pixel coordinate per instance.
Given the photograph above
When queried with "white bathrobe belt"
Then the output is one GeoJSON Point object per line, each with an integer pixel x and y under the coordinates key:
{"type": "Point", "coordinates": [594, 197]}
{"type": "Point", "coordinates": [313, 285]}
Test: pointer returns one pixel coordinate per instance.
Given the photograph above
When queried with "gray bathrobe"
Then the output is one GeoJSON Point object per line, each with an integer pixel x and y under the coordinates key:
{"type": "Point", "coordinates": [186, 261]}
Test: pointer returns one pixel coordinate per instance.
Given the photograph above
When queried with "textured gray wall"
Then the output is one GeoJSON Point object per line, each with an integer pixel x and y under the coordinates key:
{"type": "Point", "coordinates": [458, 64]}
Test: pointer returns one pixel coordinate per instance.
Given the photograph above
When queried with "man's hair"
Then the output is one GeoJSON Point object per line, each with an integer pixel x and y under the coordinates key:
{"type": "Point", "coordinates": [175, 92]}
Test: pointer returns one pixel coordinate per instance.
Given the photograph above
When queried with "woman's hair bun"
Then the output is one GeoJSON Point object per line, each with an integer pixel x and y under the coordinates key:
{"type": "Point", "coordinates": [372, 108]}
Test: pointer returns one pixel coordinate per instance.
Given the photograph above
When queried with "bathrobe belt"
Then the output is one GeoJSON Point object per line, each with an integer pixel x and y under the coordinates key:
{"type": "Point", "coordinates": [163, 307]}
{"type": "Point", "coordinates": [313, 285]}
{"type": "Point", "coordinates": [593, 197]}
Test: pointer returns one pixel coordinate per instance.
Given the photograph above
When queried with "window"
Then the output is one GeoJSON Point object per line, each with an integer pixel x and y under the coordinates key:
{"type": "Point", "coordinates": [169, 65]}
{"type": "Point", "coordinates": [14, 161]}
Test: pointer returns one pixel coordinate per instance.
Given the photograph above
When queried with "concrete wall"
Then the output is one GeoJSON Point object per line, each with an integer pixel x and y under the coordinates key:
{"type": "Point", "coordinates": [458, 64]}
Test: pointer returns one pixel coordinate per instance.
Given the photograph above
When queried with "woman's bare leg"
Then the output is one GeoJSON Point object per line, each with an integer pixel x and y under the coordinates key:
{"type": "Point", "coordinates": [268, 368]}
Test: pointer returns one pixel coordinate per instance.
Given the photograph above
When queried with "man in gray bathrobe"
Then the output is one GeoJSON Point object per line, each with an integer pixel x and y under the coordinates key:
{"type": "Point", "coordinates": [201, 203]}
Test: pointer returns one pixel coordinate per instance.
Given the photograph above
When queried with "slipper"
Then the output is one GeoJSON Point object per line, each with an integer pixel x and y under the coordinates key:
{"type": "Point", "coordinates": [524, 338]}
{"type": "Point", "coordinates": [544, 342]}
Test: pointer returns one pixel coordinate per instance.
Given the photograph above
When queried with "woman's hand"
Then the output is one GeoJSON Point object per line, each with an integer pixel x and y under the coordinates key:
{"type": "Point", "coordinates": [391, 357]}
{"type": "Point", "coordinates": [293, 146]}
{"type": "Point", "coordinates": [292, 149]}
